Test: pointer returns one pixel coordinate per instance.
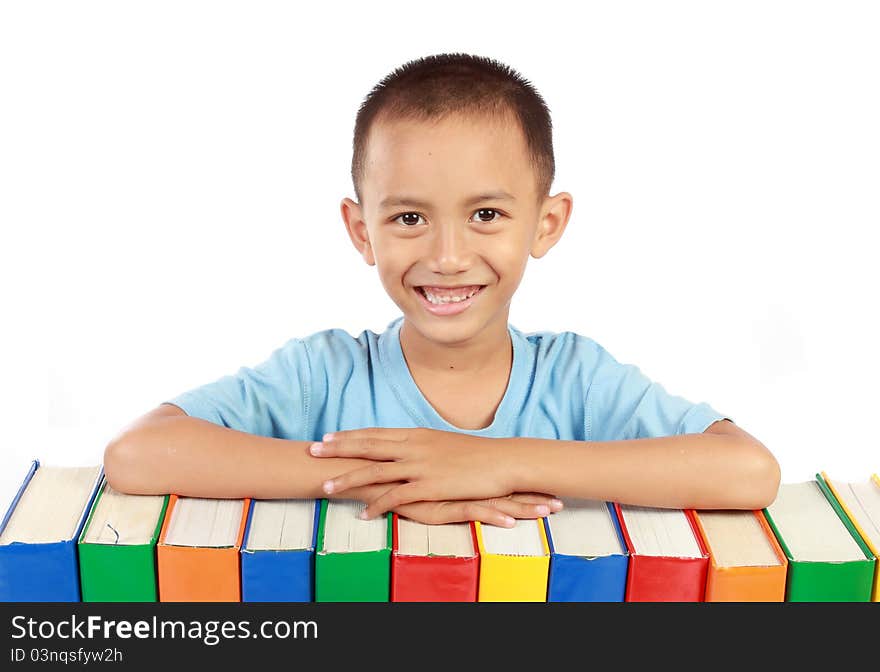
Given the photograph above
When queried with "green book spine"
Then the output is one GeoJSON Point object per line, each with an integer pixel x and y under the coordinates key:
{"type": "Point", "coordinates": [117, 573]}
{"type": "Point", "coordinates": [124, 573]}
{"type": "Point", "coordinates": [828, 581]}
{"type": "Point", "coordinates": [352, 577]}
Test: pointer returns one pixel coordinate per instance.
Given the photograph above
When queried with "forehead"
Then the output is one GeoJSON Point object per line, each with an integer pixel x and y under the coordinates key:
{"type": "Point", "coordinates": [456, 155]}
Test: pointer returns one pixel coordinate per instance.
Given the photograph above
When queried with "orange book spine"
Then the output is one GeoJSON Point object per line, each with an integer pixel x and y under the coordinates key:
{"type": "Point", "coordinates": [197, 574]}
{"type": "Point", "coordinates": [746, 584]}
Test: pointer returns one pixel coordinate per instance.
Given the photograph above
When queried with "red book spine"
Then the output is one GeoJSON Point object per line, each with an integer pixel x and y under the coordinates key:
{"type": "Point", "coordinates": [665, 579]}
{"type": "Point", "coordinates": [433, 578]}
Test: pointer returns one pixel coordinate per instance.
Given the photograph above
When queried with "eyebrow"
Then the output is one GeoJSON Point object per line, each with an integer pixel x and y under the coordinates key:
{"type": "Point", "coordinates": [479, 198]}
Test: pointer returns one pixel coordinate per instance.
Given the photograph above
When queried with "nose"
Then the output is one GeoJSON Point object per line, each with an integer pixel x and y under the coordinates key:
{"type": "Point", "coordinates": [450, 248]}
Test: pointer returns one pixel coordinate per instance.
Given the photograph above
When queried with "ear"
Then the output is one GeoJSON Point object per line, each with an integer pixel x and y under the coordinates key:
{"type": "Point", "coordinates": [554, 217]}
{"type": "Point", "coordinates": [352, 215]}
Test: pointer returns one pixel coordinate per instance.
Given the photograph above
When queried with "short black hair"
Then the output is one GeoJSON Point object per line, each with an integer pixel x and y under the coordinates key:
{"type": "Point", "coordinates": [433, 87]}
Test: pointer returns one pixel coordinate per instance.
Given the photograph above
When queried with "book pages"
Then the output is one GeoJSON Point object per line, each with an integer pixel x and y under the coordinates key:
{"type": "Point", "coordinates": [206, 523]}
{"type": "Point", "coordinates": [51, 505]}
{"type": "Point", "coordinates": [451, 539]}
{"type": "Point", "coordinates": [660, 532]}
{"type": "Point", "coordinates": [736, 539]}
{"type": "Point", "coordinates": [584, 528]}
{"type": "Point", "coordinates": [862, 500]}
{"type": "Point", "coordinates": [344, 532]}
{"type": "Point", "coordinates": [281, 525]}
{"type": "Point", "coordinates": [810, 527]}
{"type": "Point", "coordinates": [121, 519]}
{"type": "Point", "coordinates": [524, 538]}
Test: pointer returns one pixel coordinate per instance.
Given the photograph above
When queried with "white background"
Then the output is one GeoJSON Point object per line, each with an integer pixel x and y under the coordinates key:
{"type": "Point", "coordinates": [171, 172]}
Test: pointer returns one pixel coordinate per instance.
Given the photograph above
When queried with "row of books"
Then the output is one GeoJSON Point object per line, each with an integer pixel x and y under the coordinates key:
{"type": "Point", "coordinates": [68, 536]}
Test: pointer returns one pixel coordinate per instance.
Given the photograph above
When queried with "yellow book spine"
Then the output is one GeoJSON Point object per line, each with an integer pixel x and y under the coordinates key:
{"type": "Point", "coordinates": [513, 578]}
{"type": "Point", "coordinates": [876, 596]}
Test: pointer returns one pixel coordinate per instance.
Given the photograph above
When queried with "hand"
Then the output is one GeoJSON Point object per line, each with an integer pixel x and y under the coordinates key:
{"type": "Point", "coordinates": [433, 464]}
{"type": "Point", "coordinates": [501, 511]}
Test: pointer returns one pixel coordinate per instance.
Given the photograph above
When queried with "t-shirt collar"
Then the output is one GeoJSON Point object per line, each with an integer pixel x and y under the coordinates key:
{"type": "Point", "coordinates": [409, 394]}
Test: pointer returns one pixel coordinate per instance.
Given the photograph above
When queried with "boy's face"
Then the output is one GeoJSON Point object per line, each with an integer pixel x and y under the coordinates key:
{"type": "Point", "coordinates": [422, 224]}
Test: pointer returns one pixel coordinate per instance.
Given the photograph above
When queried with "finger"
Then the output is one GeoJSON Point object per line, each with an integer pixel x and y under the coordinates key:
{"type": "Point", "coordinates": [377, 472]}
{"type": "Point", "coordinates": [367, 493]}
{"type": "Point", "coordinates": [537, 498]}
{"type": "Point", "coordinates": [484, 514]}
{"type": "Point", "coordinates": [433, 513]}
{"type": "Point", "coordinates": [429, 513]}
{"type": "Point", "coordinates": [371, 448]}
{"type": "Point", "coordinates": [518, 509]}
{"type": "Point", "coordinates": [395, 497]}
{"type": "Point", "coordinates": [441, 513]}
{"type": "Point", "coordinates": [387, 433]}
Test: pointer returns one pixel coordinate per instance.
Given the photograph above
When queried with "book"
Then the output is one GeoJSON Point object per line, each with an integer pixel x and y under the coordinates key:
{"type": "Point", "coordinates": [38, 560]}
{"type": "Point", "coordinates": [861, 504]}
{"type": "Point", "coordinates": [667, 559]}
{"type": "Point", "coordinates": [278, 553]}
{"type": "Point", "coordinates": [588, 556]}
{"type": "Point", "coordinates": [117, 547]}
{"type": "Point", "coordinates": [353, 557]}
{"type": "Point", "coordinates": [514, 562]}
{"type": "Point", "coordinates": [827, 560]}
{"type": "Point", "coordinates": [746, 563]}
{"type": "Point", "coordinates": [433, 563]}
{"type": "Point", "coordinates": [198, 549]}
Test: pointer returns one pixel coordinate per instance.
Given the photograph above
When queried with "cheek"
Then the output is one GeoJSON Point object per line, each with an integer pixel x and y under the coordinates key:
{"type": "Point", "coordinates": [510, 270]}
{"type": "Point", "coordinates": [391, 272]}
{"type": "Point", "coordinates": [511, 255]}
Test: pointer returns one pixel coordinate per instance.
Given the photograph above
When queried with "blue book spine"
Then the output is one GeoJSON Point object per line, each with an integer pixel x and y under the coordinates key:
{"type": "Point", "coordinates": [579, 579]}
{"type": "Point", "coordinates": [278, 576]}
{"type": "Point", "coordinates": [45, 572]}
{"type": "Point", "coordinates": [39, 572]}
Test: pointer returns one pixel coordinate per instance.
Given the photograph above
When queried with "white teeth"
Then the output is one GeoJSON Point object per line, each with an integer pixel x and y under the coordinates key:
{"type": "Point", "coordinates": [440, 300]}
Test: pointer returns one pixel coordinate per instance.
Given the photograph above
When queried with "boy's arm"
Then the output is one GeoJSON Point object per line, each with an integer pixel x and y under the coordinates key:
{"type": "Point", "coordinates": [167, 451]}
{"type": "Point", "coordinates": [722, 468]}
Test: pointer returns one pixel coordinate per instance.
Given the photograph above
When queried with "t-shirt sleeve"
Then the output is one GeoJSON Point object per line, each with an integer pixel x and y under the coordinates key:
{"type": "Point", "coordinates": [623, 403]}
{"type": "Point", "coordinates": [270, 399]}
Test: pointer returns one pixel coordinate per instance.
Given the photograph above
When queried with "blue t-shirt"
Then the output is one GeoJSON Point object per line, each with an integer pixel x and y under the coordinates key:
{"type": "Point", "coordinates": [562, 386]}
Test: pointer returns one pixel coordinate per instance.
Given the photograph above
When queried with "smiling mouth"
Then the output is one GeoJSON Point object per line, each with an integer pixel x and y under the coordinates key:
{"type": "Point", "coordinates": [443, 297]}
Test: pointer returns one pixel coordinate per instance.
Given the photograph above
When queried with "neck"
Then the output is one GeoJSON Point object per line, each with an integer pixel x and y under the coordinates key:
{"type": "Point", "coordinates": [489, 349]}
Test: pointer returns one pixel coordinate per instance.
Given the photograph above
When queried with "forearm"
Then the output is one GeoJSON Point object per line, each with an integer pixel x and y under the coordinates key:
{"type": "Point", "coordinates": [196, 458]}
{"type": "Point", "coordinates": [702, 471]}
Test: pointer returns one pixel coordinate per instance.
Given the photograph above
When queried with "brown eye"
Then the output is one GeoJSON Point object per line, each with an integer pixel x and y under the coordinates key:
{"type": "Point", "coordinates": [483, 211]}
{"type": "Point", "coordinates": [410, 215]}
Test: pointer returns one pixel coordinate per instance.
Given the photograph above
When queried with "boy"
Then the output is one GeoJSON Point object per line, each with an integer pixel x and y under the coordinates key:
{"type": "Point", "coordinates": [451, 414]}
